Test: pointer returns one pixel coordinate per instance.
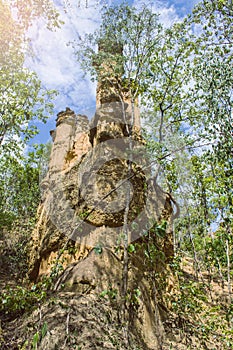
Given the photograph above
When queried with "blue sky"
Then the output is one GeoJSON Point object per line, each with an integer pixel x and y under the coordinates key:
{"type": "Point", "coordinates": [182, 7]}
{"type": "Point", "coordinates": [55, 63]}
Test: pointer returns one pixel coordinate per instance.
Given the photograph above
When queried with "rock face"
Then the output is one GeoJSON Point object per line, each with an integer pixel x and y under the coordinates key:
{"type": "Point", "coordinates": [84, 192]}
{"type": "Point", "coordinates": [98, 197]}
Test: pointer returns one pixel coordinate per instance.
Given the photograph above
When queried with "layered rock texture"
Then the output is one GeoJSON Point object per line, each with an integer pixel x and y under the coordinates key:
{"type": "Point", "coordinates": [105, 222]}
{"type": "Point", "coordinates": [85, 188]}
{"type": "Point", "coordinates": [95, 168]}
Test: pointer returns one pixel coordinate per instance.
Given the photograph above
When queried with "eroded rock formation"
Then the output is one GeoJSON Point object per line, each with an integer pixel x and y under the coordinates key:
{"type": "Point", "coordinates": [85, 167]}
{"type": "Point", "coordinates": [97, 168]}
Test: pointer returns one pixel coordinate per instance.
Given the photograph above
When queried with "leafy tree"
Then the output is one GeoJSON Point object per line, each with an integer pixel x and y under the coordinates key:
{"type": "Point", "coordinates": [190, 90]}
{"type": "Point", "coordinates": [23, 101]}
{"type": "Point", "coordinates": [22, 98]}
{"type": "Point", "coordinates": [19, 185]}
{"type": "Point", "coordinates": [29, 10]}
{"type": "Point", "coordinates": [127, 38]}
{"type": "Point", "coordinates": [203, 117]}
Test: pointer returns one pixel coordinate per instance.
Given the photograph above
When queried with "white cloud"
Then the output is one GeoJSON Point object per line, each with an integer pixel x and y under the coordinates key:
{"type": "Point", "coordinates": [54, 60]}
{"type": "Point", "coordinates": [167, 13]}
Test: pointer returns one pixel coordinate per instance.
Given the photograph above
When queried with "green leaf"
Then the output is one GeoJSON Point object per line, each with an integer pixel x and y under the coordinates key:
{"type": "Point", "coordinates": [131, 248]}
{"type": "Point", "coordinates": [44, 330]}
{"type": "Point", "coordinates": [35, 340]}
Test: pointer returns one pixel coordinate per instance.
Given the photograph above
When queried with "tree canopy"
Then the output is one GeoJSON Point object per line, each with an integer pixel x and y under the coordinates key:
{"type": "Point", "coordinates": [23, 101]}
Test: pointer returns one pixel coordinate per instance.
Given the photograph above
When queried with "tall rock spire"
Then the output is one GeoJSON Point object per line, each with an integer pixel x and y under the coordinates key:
{"type": "Point", "coordinates": [81, 217]}
{"type": "Point", "coordinates": [117, 111]}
